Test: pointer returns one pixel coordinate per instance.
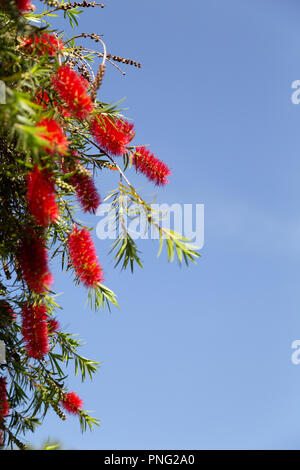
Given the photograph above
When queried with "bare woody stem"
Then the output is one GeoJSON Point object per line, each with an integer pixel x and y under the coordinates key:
{"type": "Point", "coordinates": [100, 73]}
{"type": "Point", "coordinates": [69, 6]}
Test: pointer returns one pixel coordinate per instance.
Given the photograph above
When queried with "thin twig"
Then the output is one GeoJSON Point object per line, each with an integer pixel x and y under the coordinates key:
{"type": "Point", "coordinates": [111, 159]}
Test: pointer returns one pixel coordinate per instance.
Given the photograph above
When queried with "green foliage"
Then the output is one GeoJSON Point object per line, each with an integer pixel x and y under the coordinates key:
{"type": "Point", "coordinates": [101, 296]}
{"type": "Point", "coordinates": [126, 201]}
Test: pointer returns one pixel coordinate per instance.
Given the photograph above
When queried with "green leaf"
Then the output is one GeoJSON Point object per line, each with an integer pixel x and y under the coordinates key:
{"type": "Point", "coordinates": [101, 296]}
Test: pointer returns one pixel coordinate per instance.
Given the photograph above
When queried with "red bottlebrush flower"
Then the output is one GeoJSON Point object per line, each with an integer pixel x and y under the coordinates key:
{"type": "Point", "coordinates": [41, 196]}
{"type": "Point", "coordinates": [4, 404]}
{"type": "Point", "coordinates": [112, 136]}
{"type": "Point", "coordinates": [86, 191]}
{"type": "Point", "coordinates": [33, 260]}
{"type": "Point", "coordinates": [72, 88]}
{"type": "Point", "coordinates": [35, 330]}
{"type": "Point", "coordinates": [42, 98]}
{"type": "Point", "coordinates": [55, 136]}
{"type": "Point", "coordinates": [84, 185]}
{"type": "Point", "coordinates": [72, 403]}
{"type": "Point", "coordinates": [153, 168]}
{"type": "Point", "coordinates": [53, 325]}
{"type": "Point", "coordinates": [43, 44]}
{"type": "Point", "coordinates": [24, 5]}
{"type": "Point", "coordinates": [83, 257]}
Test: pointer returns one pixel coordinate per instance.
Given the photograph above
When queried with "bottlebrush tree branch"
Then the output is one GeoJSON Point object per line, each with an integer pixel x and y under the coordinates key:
{"type": "Point", "coordinates": [50, 119]}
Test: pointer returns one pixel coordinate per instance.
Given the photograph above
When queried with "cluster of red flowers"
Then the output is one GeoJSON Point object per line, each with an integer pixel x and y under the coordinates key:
{"type": "Point", "coordinates": [41, 196]}
{"type": "Point", "coordinates": [72, 89]}
{"type": "Point", "coordinates": [72, 403]}
{"type": "Point", "coordinates": [83, 257]}
{"type": "Point", "coordinates": [33, 259]}
{"type": "Point", "coordinates": [113, 136]}
{"type": "Point", "coordinates": [24, 5]}
{"type": "Point", "coordinates": [54, 134]}
{"type": "Point", "coordinates": [42, 98]}
{"type": "Point", "coordinates": [4, 403]}
{"type": "Point", "coordinates": [153, 168]}
{"type": "Point", "coordinates": [43, 44]}
{"type": "Point", "coordinates": [84, 185]}
{"type": "Point", "coordinates": [35, 330]}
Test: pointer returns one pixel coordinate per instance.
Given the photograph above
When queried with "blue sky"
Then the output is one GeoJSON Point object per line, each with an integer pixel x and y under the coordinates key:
{"type": "Point", "coordinates": [200, 357]}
